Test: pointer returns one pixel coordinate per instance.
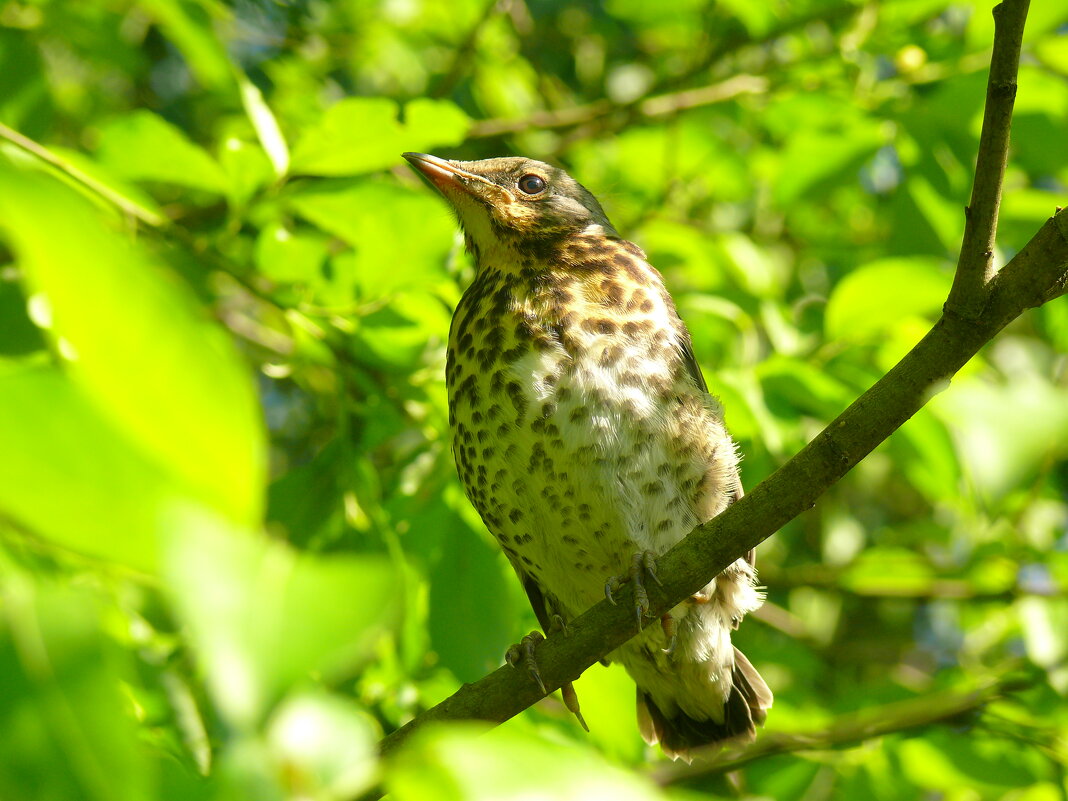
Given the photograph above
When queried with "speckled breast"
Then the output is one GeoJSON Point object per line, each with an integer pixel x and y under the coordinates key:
{"type": "Point", "coordinates": [578, 434]}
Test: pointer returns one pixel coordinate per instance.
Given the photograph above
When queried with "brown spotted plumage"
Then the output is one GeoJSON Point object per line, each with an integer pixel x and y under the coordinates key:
{"type": "Point", "coordinates": [585, 436]}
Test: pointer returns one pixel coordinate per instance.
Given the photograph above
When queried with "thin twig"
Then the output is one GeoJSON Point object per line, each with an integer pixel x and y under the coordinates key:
{"type": "Point", "coordinates": [103, 190]}
{"type": "Point", "coordinates": [649, 108]}
{"type": "Point", "coordinates": [866, 724]}
{"type": "Point", "coordinates": [975, 266]}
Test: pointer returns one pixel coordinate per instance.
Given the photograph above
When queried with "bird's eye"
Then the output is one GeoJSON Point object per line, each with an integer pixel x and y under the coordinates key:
{"type": "Point", "coordinates": [532, 184]}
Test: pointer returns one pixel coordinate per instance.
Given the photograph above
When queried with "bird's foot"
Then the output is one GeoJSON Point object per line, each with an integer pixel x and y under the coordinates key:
{"type": "Point", "coordinates": [523, 652]}
{"type": "Point", "coordinates": [643, 562]}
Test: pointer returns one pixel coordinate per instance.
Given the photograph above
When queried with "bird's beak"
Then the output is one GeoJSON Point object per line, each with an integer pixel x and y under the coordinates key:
{"type": "Point", "coordinates": [445, 176]}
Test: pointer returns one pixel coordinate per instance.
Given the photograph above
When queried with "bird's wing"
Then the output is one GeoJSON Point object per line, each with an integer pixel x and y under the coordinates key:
{"type": "Point", "coordinates": [689, 361]}
{"type": "Point", "coordinates": [537, 600]}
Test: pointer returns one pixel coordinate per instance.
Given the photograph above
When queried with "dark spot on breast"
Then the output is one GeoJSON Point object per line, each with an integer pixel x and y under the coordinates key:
{"type": "Point", "coordinates": [495, 338]}
{"type": "Point", "coordinates": [515, 515]}
{"type": "Point", "coordinates": [636, 327]}
{"type": "Point", "coordinates": [653, 488]}
{"type": "Point", "coordinates": [513, 355]}
{"type": "Point", "coordinates": [637, 274]}
{"type": "Point", "coordinates": [596, 325]}
{"type": "Point", "coordinates": [613, 293]}
{"type": "Point", "coordinates": [515, 395]}
{"type": "Point", "coordinates": [601, 266]}
{"type": "Point", "coordinates": [610, 355]}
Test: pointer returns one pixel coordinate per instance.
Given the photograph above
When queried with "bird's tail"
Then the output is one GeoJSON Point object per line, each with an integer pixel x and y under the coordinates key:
{"type": "Point", "coordinates": [745, 709]}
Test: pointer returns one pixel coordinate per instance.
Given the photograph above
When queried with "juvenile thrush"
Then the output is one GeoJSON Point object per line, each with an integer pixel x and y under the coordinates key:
{"type": "Point", "coordinates": [585, 437]}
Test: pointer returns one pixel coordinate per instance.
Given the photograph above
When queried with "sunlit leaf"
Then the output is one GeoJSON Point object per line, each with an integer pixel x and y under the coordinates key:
{"type": "Point", "coordinates": [144, 147]}
{"type": "Point", "coordinates": [325, 745]}
{"type": "Point", "coordinates": [361, 134]}
{"type": "Point", "coordinates": [188, 23]}
{"type": "Point", "coordinates": [266, 125]}
{"type": "Point", "coordinates": [68, 730]}
{"type": "Point", "coordinates": [139, 344]}
{"type": "Point", "coordinates": [376, 219]}
{"type": "Point", "coordinates": [68, 475]}
{"type": "Point", "coordinates": [264, 617]}
{"type": "Point", "coordinates": [469, 634]}
{"type": "Point", "coordinates": [456, 764]}
{"type": "Point", "coordinates": [878, 296]}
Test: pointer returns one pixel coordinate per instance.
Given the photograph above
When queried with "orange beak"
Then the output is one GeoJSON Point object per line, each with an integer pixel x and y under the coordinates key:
{"type": "Point", "coordinates": [443, 175]}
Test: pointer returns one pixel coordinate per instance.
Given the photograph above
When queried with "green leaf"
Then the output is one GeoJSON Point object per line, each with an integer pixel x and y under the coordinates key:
{"type": "Point", "coordinates": [287, 256]}
{"type": "Point", "coordinates": [264, 617]}
{"type": "Point", "coordinates": [888, 571]}
{"type": "Point", "coordinates": [462, 763]}
{"type": "Point", "coordinates": [1000, 451]}
{"type": "Point", "coordinates": [379, 220]}
{"type": "Point", "coordinates": [139, 345]}
{"type": "Point", "coordinates": [188, 23]}
{"type": "Point", "coordinates": [1045, 635]}
{"type": "Point", "coordinates": [880, 295]}
{"type": "Point", "coordinates": [133, 196]}
{"type": "Point", "coordinates": [469, 631]}
{"type": "Point", "coordinates": [326, 745]}
{"type": "Point", "coordinates": [68, 475]}
{"type": "Point", "coordinates": [361, 134]}
{"type": "Point", "coordinates": [263, 120]}
{"type": "Point", "coordinates": [68, 732]}
{"type": "Point", "coordinates": [144, 147]}
{"type": "Point", "coordinates": [792, 387]}
{"type": "Point", "coordinates": [25, 100]}
{"type": "Point", "coordinates": [812, 157]}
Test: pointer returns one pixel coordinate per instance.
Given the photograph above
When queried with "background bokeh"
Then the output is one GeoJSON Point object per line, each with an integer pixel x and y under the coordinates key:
{"type": "Point", "coordinates": [233, 550]}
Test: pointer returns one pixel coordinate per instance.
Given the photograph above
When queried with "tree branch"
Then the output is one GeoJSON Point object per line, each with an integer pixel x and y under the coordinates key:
{"type": "Point", "coordinates": [975, 267]}
{"type": "Point", "coordinates": [848, 729]}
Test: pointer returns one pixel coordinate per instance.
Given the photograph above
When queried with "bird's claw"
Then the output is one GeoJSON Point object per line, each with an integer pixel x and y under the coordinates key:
{"type": "Point", "coordinates": [667, 623]}
{"type": "Point", "coordinates": [567, 692]}
{"type": "Point", "coordinates": [523, 652]}
{"type": "Point", "coordinates": [641, 562]}
{"type": "Point", "coordinates": [560, 625]}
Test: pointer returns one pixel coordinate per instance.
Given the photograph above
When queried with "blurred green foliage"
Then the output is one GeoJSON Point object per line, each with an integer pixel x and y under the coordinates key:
{"type": "Point", "coordinates": [233, 551]}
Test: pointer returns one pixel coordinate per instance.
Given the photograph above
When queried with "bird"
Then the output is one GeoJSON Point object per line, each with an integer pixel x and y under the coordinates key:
{"type": "Point", "coordinates": [585, 436]}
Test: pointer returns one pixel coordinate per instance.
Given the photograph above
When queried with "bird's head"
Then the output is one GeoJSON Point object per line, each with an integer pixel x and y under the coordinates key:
{"type": "Point", "coordinates": [513, 204]}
